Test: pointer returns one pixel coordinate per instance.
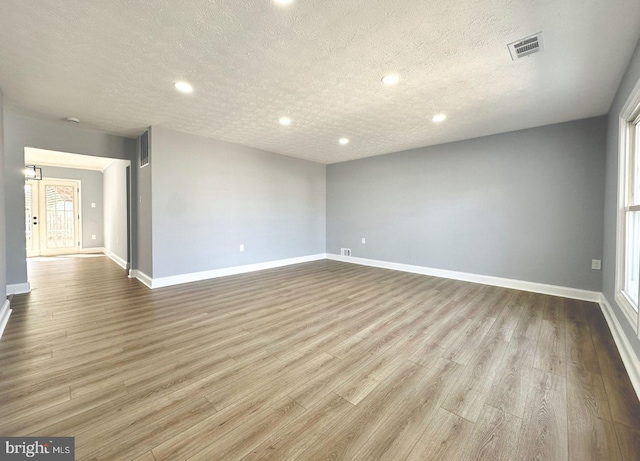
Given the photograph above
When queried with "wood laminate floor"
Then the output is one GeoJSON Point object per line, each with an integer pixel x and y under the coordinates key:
{"type": "Point", "coordinates": [317, 361]}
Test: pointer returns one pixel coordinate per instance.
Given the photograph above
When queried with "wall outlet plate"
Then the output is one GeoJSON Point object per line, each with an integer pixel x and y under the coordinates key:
{"type": "Point", "coordinates": [242, 247]}
{"type": "Point", "coordinates": [345, 251]}
{"type": "Point", "coordinates": [596, 264]}
{"type": "Point", "coordinates": [364, 240]}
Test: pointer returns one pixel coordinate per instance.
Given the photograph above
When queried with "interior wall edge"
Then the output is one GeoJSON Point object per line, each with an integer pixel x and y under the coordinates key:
{"type": "Point", "coordinates": [117, 259]}
{"type": "Point", "coordinates": [18, 288]}
{"type": "Point", "coordinates": [535, 287]}
{"type": "Point", "coordinates": [141, 276]}
{"type": "Point", "coordinates": [161, 282]}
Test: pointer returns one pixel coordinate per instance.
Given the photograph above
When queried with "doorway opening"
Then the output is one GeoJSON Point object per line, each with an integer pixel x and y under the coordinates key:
{"type": "Point", "coordinates": [81, 205]}
{"type": "Point", "coordinates": [52, 218]}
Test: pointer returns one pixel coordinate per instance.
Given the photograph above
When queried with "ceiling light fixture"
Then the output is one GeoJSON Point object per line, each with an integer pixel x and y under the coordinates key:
{"type": "Point", "coordinates": [183, 87]}
{"type": "Point", "coordinates": [73, 119]}
{"type": "Point", "coordinates": [283, 2]}
{"type": "Point", "coordinates": [391, 79]}
{"type": "Point", "coordinates": [285, 121]}
{"type": "Point", "coordinates": [343, 141]}
{"type": "Point", "coordinates": [439, 118]}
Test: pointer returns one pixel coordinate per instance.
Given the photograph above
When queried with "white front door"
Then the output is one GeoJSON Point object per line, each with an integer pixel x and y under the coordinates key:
{"type": "Point", "coordinates": [31, 217]}
{"type": "Point", "coordinates": [51, 210]}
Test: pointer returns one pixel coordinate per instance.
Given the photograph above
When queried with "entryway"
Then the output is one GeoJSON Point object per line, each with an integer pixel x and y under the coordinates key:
{"type": "Point", "coordinates": [52, 217]}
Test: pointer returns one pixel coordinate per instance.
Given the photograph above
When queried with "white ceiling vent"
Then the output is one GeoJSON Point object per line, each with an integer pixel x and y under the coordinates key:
{"type": "Point", "coordinates": [526, 46]}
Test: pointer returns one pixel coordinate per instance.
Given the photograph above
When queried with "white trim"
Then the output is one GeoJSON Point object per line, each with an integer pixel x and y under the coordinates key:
{"type": "Point", "coordinates": [18, 288]}
{"type": "Point", "coordinates": [144, 278]}
{"type": "Point", "coordinates": [117, 259]}
{"type": "Point", "coordinates": [619, 275]}
{"type": "Point", "coordinates": [621, 299]}
{"type": "Point", "coordinates": [92, 250]}
{"type": "Point", "coordinates": [535, 287]}
{"type": "Point", "coordinates": [627, 353]}
{"type": "Point", "coordinates": [79, 213]}
{"type": "Point", "coordinates": [5, 312]}
{"type": "Point", "coordinates": [628, 114]}
{"type": "Point", "coordinates": [205, 275]}
{"type": "Point", "coordinates": [620, 230]}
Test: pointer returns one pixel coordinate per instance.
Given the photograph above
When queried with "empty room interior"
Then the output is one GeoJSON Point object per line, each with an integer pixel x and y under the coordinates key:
{"type": "Point", "coordinates": [312, 230]}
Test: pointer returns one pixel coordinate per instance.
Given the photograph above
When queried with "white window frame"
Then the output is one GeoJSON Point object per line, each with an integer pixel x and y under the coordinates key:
{"type": "Point", "coordinates": [629, 113]}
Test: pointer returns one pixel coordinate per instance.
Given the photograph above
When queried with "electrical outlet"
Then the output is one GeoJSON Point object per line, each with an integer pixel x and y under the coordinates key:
{"type": "Point", "coordinates": [345, 251]}
{"type": "Point", "coordinates": [596, 264]}
{"type": "Point", "coordinates": [93, 236]}
{"type": "Point", "coordinates": [241, 247]}
{"type": "Point", "coordinates": [93, 205]}
{"type": "Point", "coordinates": [364, 240]}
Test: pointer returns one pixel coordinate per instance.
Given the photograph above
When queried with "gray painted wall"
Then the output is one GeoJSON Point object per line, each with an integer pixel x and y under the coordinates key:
{"type": "Point", "coordinates": [91, 192]}
{"type": "Point", "coordinates": [3, 246]}
{"type": "Point", "coordinates": [21, 132]}
{"type": "Point", "coordinates": [526, 205]}
{"type": "Point", "coordinates": [630, 79]}
{"type": "Point", "coordinates": [115, 208]}
{"type": "Point", "coordinates": [211, 196]}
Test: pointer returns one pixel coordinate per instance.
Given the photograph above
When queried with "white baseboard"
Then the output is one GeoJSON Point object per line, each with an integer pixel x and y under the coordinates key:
{"type": "Point", "coordinates": [565, 292]}
{"type": "Point", "coordinates": [18, 288]}
{"type": "Point", "coordinates": [117, 259]}
{"type": "Point", "coordinates": [92, 250]}
{"type": "Point", "coordinates": [5, 312]}
{"type": "Point", "coordinates": [144, 278]}
{"type": "Point", "coordinates": [631, 362]}
{"type": "Point", "coordinates": [204, 275]}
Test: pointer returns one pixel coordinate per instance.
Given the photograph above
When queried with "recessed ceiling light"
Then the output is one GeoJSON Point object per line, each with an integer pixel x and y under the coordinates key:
{"type": "Point", "coordinates": [343, 141]}
{"type": "Point", "coordinates": [286, 121]}
{"type": "Point", "coordinates": [439, 118]}
{"type": "Point", "coordinates": [283, 2]}
{"type": "Point", "coordinates": [183, 87]}
{"type": "Point", "coordinates": [391, 79]}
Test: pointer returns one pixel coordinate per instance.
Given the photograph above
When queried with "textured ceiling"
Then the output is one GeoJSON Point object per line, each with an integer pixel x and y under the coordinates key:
{"type": "Point", "coordinates": [113, 64]}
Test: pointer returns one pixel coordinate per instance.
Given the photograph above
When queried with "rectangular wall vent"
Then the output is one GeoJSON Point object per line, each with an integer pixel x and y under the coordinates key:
{"type": "Point", "coordinates": [144, 149]}
{"type": "Point", "coordinates": [526, 46]}
{"type": "Point", "coordinates": [345, 251]}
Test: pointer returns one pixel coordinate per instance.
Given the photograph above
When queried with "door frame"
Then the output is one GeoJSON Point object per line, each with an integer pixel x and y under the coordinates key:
{"type": "Point", "coordinates": [42, 222]}
{"type": "Point", "coordinates": [35, 213]}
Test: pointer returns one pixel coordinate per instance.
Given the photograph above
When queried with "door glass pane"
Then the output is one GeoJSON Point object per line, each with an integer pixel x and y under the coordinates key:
{"type": "Point", "coordinates": [28, 215]}
{"type": "Point", "coordinates": [60, 217]}
{"type": "Point", "coordinates": [633, 256]}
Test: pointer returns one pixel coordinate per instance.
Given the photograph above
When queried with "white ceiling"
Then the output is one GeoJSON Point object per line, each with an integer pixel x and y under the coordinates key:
{"type": "Point", "coordinates": [42, 157]}
{"type": "Point", "coordinates": [113, 64]}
